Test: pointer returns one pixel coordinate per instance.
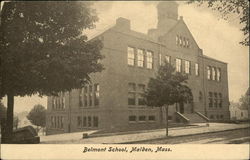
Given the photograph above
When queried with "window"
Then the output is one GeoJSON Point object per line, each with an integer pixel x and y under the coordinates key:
{"type": "Point", "coordinates": [58, 122]}
{"type": "Point", "coordinates": [140, 58]}
{"type": "Point", "coordinates": [131, 94]}
{"type": "Point", "coordinates": [90, 95]}
{"type": "Point", "coordinates": [160, 61]}
{"type": "Point", "coordinates": [149, 60]}
{"type": "Point", "coordinates": [188, 44]}
{"type": "Point", "coordinates": [177, 40]}
{"type": "Point", "coordinates": [131, 56]}
{"type": "Point", "coordinates": [196, 69]}
{"type": "Point", "coordinates": [81, 92]}
{"type": "Point", "coordinates": [60, 102]}
{"type": "Point", "coordinates": [178, 65]}
{"type": "Point", "coordinates": [180, 41]}
{"type": "Point", "coordinates": [151, 118]}
{"type": "Point", "coordinates": [221, 116]}
{"type": "Point", "coordinates": [170, 117]}
{"type": "Point", "coordinates": [85, 96]}
{"type": "Point", "coordinates": [187, 67]}
{"type": "Point", "coordinates": [132, 118]}
{"type": "Point", "coordinates": [63, 102]}
{"type": "Point", "coordinates": [131, 98]}
{"type": "Point", "coordinates": [200, 96]}
{"type": "Point", "coordinates": [57, 103]}
{"type": "Point", "coordinates": [89, 121]}
{"type": "Point", "coordinates": [52, 121]}
{"type": "Point", "coordinates": [218, 116]}
{"type": "Point", "coordinates": [208, 72]}
{"type": "Point", "coordinates": [55, 122]}
{"type": "Point", "coordinates": [218, 74]}
{"type": "Point", "coordinates": [184, 42]}
{"type": "Point", "coordinates": [210, 99]}
{"type": "Point", "coordinates": [79, 121]}
{"type": "Point", "coordinates": [61, 122]}
{"type": "Point", "coordinates": [97, 94]}
{"type": "Point", "coordinates": [95, 121]}
{"type": "Point", "coordinates": [213, 73]}
{"type": "Point", "coordinates": [84, 123]}
{"type": "Point", "coordinates": [131, 87]}
{"type": "Point", "coordinates": [141, 90]}
{"type": "Point", "coordinates": [220, 100]}
{"type": "Point", "coordinates": [211, 116]}
{"type": "Point", "coordinates": [167, 59]}
{"type": "Point", "coordinates": [53, 102]}
{"type": "Point", "coordinates": [215, 100]}
{"type": "Point", "coordinates": [142, 118]}
{"type": "Point", "coordinates": [56, 119]}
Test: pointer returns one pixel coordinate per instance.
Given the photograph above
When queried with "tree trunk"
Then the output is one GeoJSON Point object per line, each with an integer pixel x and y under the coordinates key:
{"type": "Point", "coordinates": [166, 120]}
{"type": "Point", "coordinates": [7, 137]}
{"type": "Point", "coordinates": [161, 115]}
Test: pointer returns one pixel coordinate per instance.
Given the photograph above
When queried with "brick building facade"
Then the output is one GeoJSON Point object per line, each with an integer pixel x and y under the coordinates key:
{"type": "Point", "coordinates": [114, 97]}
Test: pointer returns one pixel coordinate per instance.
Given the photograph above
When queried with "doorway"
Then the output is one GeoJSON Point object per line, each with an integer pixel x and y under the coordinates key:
{"type": "Point", "coordinates": [182, 108]}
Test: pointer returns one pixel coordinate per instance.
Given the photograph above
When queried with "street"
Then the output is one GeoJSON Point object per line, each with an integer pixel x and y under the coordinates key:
{"type": "Point", "coordinates": [239, 136]}
{"type": "Point", "coordinates": [155, 136]}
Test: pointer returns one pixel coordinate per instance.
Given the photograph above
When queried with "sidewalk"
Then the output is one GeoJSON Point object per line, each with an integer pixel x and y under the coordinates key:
{"type": "Point", "coordinates": [76, 138]}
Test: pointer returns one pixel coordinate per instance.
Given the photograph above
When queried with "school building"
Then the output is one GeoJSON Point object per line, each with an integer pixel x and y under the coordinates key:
{"type": "Point", "coordinates": [114, 97]}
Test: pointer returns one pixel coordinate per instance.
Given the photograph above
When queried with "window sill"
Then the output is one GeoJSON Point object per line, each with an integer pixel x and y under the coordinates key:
{"type": "Point", "coordinates": [57, 109]}
{"type": "Point", "coordinates": [91, 107]}
{"type": "Point", "coordinates": [131, 65]}
{"type": "Point", "coordinates": [141, 107]}
{"type": "Point", "coordinates": [132, 122]}
{"type": "Point", "coordinates": [151, 121]}
{"type": "Point", "coordinates": [86, 127]}
{"type": "Point", "coordinates": [142, 121]}
{"type": "Point", "coordinates": [131, 105]}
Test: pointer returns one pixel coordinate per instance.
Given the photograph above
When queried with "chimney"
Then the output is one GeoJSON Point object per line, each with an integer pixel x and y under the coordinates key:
{"type": "Point", "coordinates": [167, 14]}
{"type": "Point", "coordinates": [122, 23]}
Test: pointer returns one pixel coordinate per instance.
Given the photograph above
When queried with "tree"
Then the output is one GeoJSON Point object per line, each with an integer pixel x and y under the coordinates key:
{"type": "Point", "coordinates": [43, 50]}
{"type": "Point", "coordinates": [37, 116]}
{"type": "Point", "coordinates": [244, 100]}
{"type": "Point", "coordinates": [169, 87]}
{"type": "Point", "coordinates": [228, 7]}
{"type": "Point", "coordinates": [3, 111]}
{"type": "Point", "coordinates": [15, 122]}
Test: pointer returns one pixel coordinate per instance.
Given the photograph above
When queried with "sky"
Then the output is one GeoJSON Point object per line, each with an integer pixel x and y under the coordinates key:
{"type": "Point", "coordinates": [217, 37]}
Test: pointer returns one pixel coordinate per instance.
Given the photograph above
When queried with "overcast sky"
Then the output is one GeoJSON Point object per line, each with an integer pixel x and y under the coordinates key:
{"type": "Point", "coordinates": [218, 38]}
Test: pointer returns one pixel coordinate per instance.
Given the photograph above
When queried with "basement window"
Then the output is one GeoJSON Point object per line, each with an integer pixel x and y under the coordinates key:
{"type": "Point", "coordinates": [142, 118]}
{"type": "Point", "coordinates": [132, 118]}
{"type": "Point", "coordinates": [151, 118]}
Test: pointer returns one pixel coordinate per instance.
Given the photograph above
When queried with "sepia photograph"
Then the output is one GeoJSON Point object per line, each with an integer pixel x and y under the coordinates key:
{"type": "Point", "coordinates": [137, 79]}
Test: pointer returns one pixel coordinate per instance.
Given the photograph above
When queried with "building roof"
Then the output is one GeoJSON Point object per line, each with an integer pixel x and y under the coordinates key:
{"type": "Point", "coordinates": [146, 37]}
{"type": "Point", "coordinates": [207, 57]}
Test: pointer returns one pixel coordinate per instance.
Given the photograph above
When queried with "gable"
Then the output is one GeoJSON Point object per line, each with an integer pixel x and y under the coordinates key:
{"type": "Point", "coordinates": [180, 38]}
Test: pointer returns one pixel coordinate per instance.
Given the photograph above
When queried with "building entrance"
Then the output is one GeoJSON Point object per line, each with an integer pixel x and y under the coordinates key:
{"type": "Point", "coordinates": [181, 108]}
